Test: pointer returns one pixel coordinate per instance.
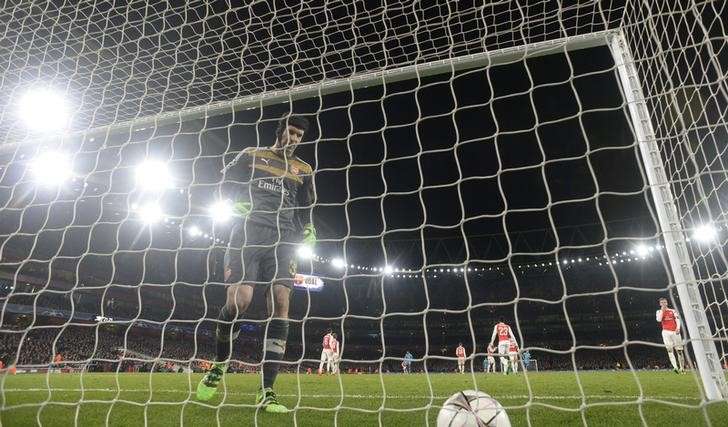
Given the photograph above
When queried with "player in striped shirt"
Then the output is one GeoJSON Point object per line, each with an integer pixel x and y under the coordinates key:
{"type": "Point", "coordinates": [327, 353]}
{"type": "Point", "coordinates": [505, 335]}
{"type": "Point", "coordinates": [670, 321]}
{"type": "Point", "coordinates": [460, 353]}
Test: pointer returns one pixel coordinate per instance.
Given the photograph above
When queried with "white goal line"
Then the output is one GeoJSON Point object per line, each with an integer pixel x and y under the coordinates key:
{"type": "Point", "coordinates": [361, 396]}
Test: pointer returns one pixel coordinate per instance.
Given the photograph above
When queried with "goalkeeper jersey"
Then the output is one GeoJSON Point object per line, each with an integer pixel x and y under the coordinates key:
{"type": "Point", "coordinates": [279, 188]}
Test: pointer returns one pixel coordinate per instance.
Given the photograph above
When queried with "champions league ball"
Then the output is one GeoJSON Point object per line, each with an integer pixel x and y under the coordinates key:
{"type": "Point", "coordinates": [472, 408]}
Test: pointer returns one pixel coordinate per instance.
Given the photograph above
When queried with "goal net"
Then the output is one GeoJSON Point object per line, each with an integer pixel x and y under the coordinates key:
{"type": "Point", "coordinates": [558, 166]}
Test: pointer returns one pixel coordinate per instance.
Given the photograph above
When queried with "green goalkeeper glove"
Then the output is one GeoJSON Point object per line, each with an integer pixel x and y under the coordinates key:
{"type": "Point", "coordinates": [309, 235]}
{"type": "Point", "coordinates": [242, 208]}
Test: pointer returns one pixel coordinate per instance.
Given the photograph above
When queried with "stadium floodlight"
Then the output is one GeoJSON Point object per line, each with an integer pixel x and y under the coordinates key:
{"type": "Point", "coordinates": [338, 263]}
{"type": "Point", "coordinates": [153, 175]}
{"type": "Point", "coordinates": [194, 231]}
{"type": "Point", "coordinates": [51, 168]}
{"type": "Point", "coordinates": [43, 110]}
{"type": "Point", "coordinates": [388, 269]}
{"type": "Point", "coordinates": [642, 250]}
{"type": "Point", "coordinates": [221, 211]}
{"type": "Point", "coordinates": [705, 233]}
{"type": "Point", "coordinates": [305, 252]}
{"type": "Point", "coordinates": [150, 213]}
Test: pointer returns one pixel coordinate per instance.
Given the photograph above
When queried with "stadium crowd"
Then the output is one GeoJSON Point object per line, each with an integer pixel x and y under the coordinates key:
{"type": "Point", "coordinates": [102, 347]}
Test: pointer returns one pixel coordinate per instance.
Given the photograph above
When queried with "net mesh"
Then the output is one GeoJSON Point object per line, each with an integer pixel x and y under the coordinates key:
{"type": "Point", "coordinates": [504, 184]}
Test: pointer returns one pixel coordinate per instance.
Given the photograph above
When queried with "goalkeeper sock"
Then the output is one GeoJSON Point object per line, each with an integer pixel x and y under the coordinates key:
{"type": "Point", "coordinates": [275, 346]}
{"type": "Point", "coordinates": [223, 333]}
{"type": "Point", "coordinates": [671, 355]}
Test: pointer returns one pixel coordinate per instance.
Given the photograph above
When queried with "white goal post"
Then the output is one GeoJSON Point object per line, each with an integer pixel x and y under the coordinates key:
{"type": "Point", "coordinates": [673, 232]}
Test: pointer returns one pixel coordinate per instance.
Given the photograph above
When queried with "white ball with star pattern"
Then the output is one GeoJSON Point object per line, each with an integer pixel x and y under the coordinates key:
{"type": "Point", "coordinates": [470, 408]}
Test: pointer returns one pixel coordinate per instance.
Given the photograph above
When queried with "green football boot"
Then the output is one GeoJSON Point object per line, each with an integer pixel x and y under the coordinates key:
{"type": "Point", "coordinates": [269, 401]}
{"type": "Point", "coordinates": [207, 388]}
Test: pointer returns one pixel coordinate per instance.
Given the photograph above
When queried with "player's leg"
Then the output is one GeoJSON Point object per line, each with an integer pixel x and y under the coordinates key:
{"type": "Point", "coordinates": [275, 347]}
{"type": "Point", "coordinates": [680, 359]}
{"type": "Point", "coordinates": [323, 360]}
{"type": "Point", "coordinates": [330, 362]}
{"type": "Point", "coordinates": [238, 300]}
{"type": "Point", "coordinates": [667, 339]}
{"type": "Point", "coordinates": [278, 266]}
{"type": "Point", "coordinates": [678, 346]}
{"type": "Point", "coordinates": [503, 352]}
{"type": "Point", "coordinates": [514, 363]}
{"type": "Point", "coordinates": [241, 267]}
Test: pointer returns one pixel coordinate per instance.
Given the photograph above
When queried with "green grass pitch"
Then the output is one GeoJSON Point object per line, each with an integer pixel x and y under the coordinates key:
{"type": "Point", "coordinates": [548, 398]}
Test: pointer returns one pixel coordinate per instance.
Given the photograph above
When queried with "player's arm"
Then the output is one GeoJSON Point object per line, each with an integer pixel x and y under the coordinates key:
{"type": "Point", "coordinates": [659, 315]}
{"type": "Point", "coordinates": [495, 332]}
{"type": "Point", "coordinates": [235, 182]}
{"type": "Point", "coordinates": [305, 201]}
{"type": "Point", "coordinates": [513, 337]}
{"type": "Point", "coordinates": [678, 322]}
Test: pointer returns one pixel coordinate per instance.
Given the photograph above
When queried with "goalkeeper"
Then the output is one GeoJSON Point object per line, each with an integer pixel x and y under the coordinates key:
{"type": "Point", "coordinates": [272, 192]}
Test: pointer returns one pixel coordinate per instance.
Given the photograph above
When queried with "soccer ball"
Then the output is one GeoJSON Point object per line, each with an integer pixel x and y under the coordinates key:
{"type": "Point", "coordinates": [472, 408]}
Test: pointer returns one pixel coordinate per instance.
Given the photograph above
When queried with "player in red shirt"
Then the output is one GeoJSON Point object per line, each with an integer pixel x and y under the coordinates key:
{"type": "Point", "coordinates": [671, 327]}
{"type": "Point", "coordinates": [505, 335]}
{"type": "Point", "coordinates": [460, 353]}
{"type": "Point", "coordinates": [327, 354]}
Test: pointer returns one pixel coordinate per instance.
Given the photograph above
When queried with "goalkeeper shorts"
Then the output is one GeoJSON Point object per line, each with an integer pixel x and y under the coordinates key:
{"type": "Point", "coordinates": [259, 255]}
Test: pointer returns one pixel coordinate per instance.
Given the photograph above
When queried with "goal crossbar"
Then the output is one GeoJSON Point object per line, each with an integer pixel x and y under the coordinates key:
{"type": "Point", "coordinates": [356, 81]}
